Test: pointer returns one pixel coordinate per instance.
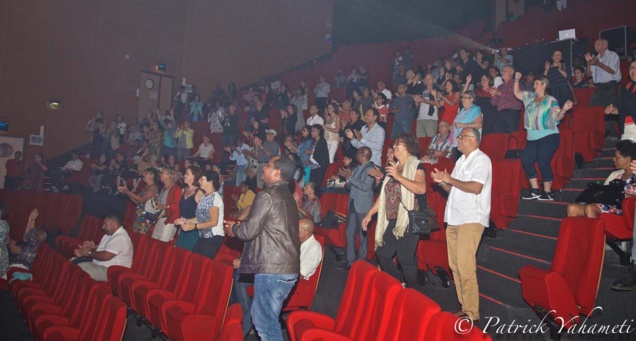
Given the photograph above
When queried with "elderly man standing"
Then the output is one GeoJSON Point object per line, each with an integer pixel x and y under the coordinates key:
{"type": "Point", "coordinates": [606, 73]}
{"type": "Point", "coordinates": [467, 214]}
{"type": "Point", "coordinates": [272, 248]}
{"type": "Point", "coordinates": [322, 91]}
{"type": "Point", "coordinates": [508, 106]}
{"type": "Point", "coordinates": [115, 248]}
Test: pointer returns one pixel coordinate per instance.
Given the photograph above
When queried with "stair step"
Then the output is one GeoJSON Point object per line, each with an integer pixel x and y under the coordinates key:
{"type": "Point", "coordinates": [507, 262]}
{"type": "Point", "coordinates": [495, 313]}
{"type": "Point", "coordinates": [537, 224]}
{"type": "Point", "coordinates": [552, 209]}
{"type": "Point", "coordinates": [523, 243]}
{"type": "Point", "coordinates": [599, 172]}
{"type": "Point", "coordinates": [604, 162]}
{"type": "Point", "coordinates": [568, 194]}
{"type": "Point", "coordinates": [581, 183]}
{"type": "Point", "coordinates": [504, 289]}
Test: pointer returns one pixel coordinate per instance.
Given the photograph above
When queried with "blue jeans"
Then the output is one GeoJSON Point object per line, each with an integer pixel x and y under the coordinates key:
{"type": "Point", "coordinates": [239, 295]}
{"type": "Point", "coordinates": [540, 151]}
{"type": "Point", "coordinates": [270, 291]}
{"type": "Point", "coordinates": [240, 174]}
{"type": "Point", "coordinates": [401, 125]}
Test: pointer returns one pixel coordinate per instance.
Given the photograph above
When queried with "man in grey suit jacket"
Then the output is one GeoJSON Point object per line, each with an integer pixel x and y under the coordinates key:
{"type": "Point", "coordinates": [360, 185]}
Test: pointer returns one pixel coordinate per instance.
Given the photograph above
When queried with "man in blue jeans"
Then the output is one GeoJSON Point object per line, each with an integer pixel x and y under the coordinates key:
{"type": "Point", "coordinates": [401, 106]}
{"type": "Point", "coordinates": [272, 248]}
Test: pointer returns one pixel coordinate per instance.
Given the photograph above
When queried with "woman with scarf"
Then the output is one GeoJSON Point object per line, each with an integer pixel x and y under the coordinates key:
{"type": "Point", "coordinates": [469, 117]}
{"type": "Point", "coordinates": [403, 188]}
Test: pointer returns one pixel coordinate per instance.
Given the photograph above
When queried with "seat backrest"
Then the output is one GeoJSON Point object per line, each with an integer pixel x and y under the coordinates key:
{"type": "Point", "coordinates": [411, 316]}
{"type": "Point", "coordinates": [578, 257]}
{"type": "Point", "coordinates": [355, 294]}
{"type": "Point", "coordinates": [495, 145]}
{"type": "Point", "coordinates": [378, 307]}
{"type": "Point", "coordinates": [77, 311]}
{"type": "Point", "coordinates": [179, 265]}
{"type": "Point", "coordinates": [164, 262]}
{"type": "Point", "coordinates": [214, 296]}
{"type": "Point", "coordinates": [195, 278]}
{"type": "Point", "coordinates": [443, 326]}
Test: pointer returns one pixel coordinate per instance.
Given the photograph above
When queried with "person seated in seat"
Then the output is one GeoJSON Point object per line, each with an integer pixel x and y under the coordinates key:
{"type": "Point", "coordinates": [625, 153]}
{"type": "Point", "coordinates": [628, 282]}
{"type": "Point", "coordinates": [310, 258]}
{"type": "Point", "coordinates": [58, 176]}
{"type": "Point", "coordinates": [440, 145]}
{"type": "Point", "coordinates": [115, 248]}
{"type": "Point", "coordinates": [243, 202]}
{"type": "Point", "coordinates": [22, 253]}
{"type": "Point", "coordinates": [310, 207]}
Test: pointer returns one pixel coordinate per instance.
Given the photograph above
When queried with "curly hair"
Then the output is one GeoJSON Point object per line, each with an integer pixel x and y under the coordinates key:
{"type": "Point", "coordinates": [410, 142]}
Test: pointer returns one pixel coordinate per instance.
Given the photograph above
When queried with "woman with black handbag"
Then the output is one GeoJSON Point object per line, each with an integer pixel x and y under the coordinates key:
{"type": "Point", "coordinates": [403, 190]}
{"type": "Point", "coordinates": [625, 153]}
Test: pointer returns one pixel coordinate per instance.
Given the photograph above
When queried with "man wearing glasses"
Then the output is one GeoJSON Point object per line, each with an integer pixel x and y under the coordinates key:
{"type": "Point", "coordinates": [467, 214]}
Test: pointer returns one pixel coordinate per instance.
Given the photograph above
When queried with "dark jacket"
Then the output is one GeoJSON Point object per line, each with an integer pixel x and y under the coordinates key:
{"type": "Point", "coordinates": [271, 233]}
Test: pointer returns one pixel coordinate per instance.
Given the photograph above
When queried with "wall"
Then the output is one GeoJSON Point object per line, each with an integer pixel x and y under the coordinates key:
{"type": "Point", "coordinates": [75, 51]}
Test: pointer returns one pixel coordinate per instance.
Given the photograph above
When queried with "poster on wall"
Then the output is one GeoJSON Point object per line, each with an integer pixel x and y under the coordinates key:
{"type": "Point", "coordinates": [37, 140]}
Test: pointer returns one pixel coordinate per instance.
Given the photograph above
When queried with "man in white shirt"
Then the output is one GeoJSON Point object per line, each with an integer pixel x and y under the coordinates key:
{"type": "Point", "coordinates": [115, 248]}
{"type": "Point", "coordinates": [427, 115]}
{"type": "Point", "coordinates": [467, 214]}
{"type": "Point", "coordinates": [383, 90]}
{"type": "Point", "coordinates": [74, 165]}
{"type": "Point", "coordinates": [371, 135]}
{"type": "Point", "coordinates": [238, 154]}
{"type": "Point", "coordinates": [322, 91]}
{"type": "Point", "coordinates": [314, 118]}
{"type": "Point", "coordinates": [605, 71]}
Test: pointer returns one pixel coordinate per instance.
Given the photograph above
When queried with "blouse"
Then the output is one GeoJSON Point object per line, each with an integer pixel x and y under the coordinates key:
{"type": "Point", "coordinates": [393, 192]}
{"type": "Point", "coordinates": [540, 117]}
{"type": "Point", "coordinates": [203, 215]}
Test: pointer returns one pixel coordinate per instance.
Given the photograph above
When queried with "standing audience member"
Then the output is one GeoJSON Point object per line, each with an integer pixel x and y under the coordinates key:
{"type": "Point", "coordinates": [319, 158]}
{"type": "Point", "coordinates": [168, 200]}
{"type": "Point", "coordinates": [360, 186]}
{"type": "Point", "coordinates": [230, 126]}
{"type": "Point", "coordinates": [322, 90]}
{"type": "Point", "coordinates": [288, 121]}
{"type": "Point", "coordinates": [403, 188]}
{"type": "Point", "coordinates": [469, 117]}
{"type": "Point", "coordinates": [605, 71]}
{"type": "Point", "coordinates": [300, 102]}
{"type": "Point", "coordinates": [22, 253]}
{"type": "Point", "coordinates": [99, 170]}
{"type": "Point", "coordinates": [15, 168]}
{"type": "Point", "coordinates": [508, 105]}
{"type": "Point", "coordinates": [184, 136]}
{"type": "Point", "coordinates": [482, 99]}
{"type": "Point", "coordinates": [169, 143]}
{"type": "Point", "coordinates": [426, 123]}
{"type": "Point", "coordinates": [209, 217]}
{"type": "Point", "coordinates": [115, 248]}
{"type": "Point", "coordinates": [243, 202]}
{"type": "Point", "coordinates": [4, 240]}
{"type": "Point", "coordinates": [542, 116]}
{"type": "Point", "coordinates": [332, 129]}
{"type": "Point", "coordinates": [401, 107]}
{"type": "Point", "coordinates": [450, 101]}
{"type": "Point", "coordinates": [467, 213]}
{"type": "Point", "coordinates": [238, 154]}
{"type": "Point", "coordinates": [314, 118]}
{"type": "Point", "coordinates": [34, 174]}
{"type": "Point", "coordinates": [196, 110]}
{"type": "Point", "coordinates": [305, 149]}
{"type": "Point", "coordinates": [502, 58]}
{"type": "Point", "coordinates": [188, 203]}
{"type": "Point", "coordinates": [354, 123]}
{"type": "Point", "coordinates": [272, 222]}
{"type": "Point", "coordinates": [371, 135]}
{"type": "Point", "coordinates": [144, 200]}
{"type": "Point", "coordinates": [269, 149]}
{"type": "Point", "coordinates": [558, 76]}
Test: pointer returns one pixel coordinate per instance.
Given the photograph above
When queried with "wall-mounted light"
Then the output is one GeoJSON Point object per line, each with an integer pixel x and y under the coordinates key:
{"type": "Point", "coordinates": [55, 104]}
{"type": "Point", "coordinates": [162, 67]}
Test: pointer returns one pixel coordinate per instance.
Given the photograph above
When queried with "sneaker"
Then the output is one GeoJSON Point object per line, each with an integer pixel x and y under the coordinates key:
{"type": "Point", "coordinates": [534, 194]}
{"type": "Point", "coordinates": [627, 283]}
{"type": "Point", "coordinates": [546, 196]}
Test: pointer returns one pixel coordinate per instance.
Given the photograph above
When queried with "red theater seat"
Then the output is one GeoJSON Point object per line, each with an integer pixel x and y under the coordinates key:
{"type": "Point", "coordinates": [620, 228]}
{"type": "Point", "coordinates": [351, 311]}
{"type": "Point", "coordinates": [232, 329]}
{"type": "Point", "coordinates": [90, 229]}
{"type": "Point", "coordinates": [569, 288]}
{"type": "Point", "coordinates": [444, 325]}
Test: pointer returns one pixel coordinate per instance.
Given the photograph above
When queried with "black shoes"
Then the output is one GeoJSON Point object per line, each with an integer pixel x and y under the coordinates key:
{"type": "Point", "coordinates": [546, 196]}
{"type": "Point", "coordinates": [537, 194]}
{"type": "Point", "coordinates": [627, 283]}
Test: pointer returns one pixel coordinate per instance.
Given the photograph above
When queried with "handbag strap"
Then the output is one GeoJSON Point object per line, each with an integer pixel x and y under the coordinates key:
{"type": "Point", "coordinates": [516, 141]}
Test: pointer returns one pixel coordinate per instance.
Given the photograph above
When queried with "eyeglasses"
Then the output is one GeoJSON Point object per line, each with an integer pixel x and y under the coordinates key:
{"type": "Point", "coordinates": [461, 137]}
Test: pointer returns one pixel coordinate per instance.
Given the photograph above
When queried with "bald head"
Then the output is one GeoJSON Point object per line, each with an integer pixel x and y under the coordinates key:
{"type": "Point", "coordinates": [363, 155]}
{"type": "Point", "coordinates": [305, 229]}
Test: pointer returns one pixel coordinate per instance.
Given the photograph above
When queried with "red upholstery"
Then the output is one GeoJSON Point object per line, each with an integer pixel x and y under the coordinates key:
{"type": "Point", "coordinates": [90, 229]}
{"type": "Point", "coordinates": [495, 145]}
{"type": "Point", "coordinates": [351, 311]}
{"type": "Point", "coordinates": [505, 191]}
{"type": "Point", "coordinates": [569, 288]}
{"type": "Point", "coordinates": [339, 203]}
{"type": "Point", "coordinates": [588, 129]}
{"type": "Point", "coordinates": [232, 329]}
{"type": "Point", "coordinates": [203, 318]}
{"type": "Point", "coordinates": [620, 227]}
{"type": "Point", "coordinates": [332, 169]}
{"type": "Point", "coordinates": [444, 325]}
{"type": "Point", "coordinates": [141, 257]}
{"type": "Point", "coordinates": [157, 271]}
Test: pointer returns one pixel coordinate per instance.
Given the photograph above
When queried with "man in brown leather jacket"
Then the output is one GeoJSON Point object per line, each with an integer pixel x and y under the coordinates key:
{"type": "Point", "coordinates": [272, 248]}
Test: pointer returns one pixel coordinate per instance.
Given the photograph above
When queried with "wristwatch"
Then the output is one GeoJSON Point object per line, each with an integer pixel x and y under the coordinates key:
{"type": "Point", "coordinates": [196, 226]}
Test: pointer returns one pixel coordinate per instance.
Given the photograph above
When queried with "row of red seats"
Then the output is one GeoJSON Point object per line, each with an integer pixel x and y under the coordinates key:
{"type": "Point", "coordinates": [182, 294]}
{"type": "Point", "coordinates": [63, 303]}
{"type": "Point", "coordinates": [374, 306]}
{"type": "Point", "coordinates": [58, 211]}
{"type": "Point", "coordinates": [620, 228]}
{"type": "Point", "coordinates": [90, 229]}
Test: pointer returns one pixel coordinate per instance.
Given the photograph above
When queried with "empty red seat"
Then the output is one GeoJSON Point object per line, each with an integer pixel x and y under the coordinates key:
{"type": "Point", "coordinates": [232, 329]}
{"type": "Point", "coordinates": [350, 311]}
{"type": "Point", "coordinates": [620, 228]}
{"type": "Point", "coordinates": [569, 288]}
{"type": "Point", "coordinates": [444, 326]}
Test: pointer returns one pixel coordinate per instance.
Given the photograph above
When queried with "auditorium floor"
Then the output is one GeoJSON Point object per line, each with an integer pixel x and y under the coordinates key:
{"type": "Point", "coordinates": [332, 282]}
